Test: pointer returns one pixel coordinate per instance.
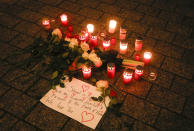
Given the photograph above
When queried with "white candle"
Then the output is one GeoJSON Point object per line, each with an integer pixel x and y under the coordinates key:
{"type": "Point", "coordinates": [112, 26]}
{"type": "Point", "coordinates": [90, 28]}
{"type": "Point", "coordinates": [123, 46]}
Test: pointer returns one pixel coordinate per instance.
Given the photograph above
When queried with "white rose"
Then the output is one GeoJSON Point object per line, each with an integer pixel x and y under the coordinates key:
{"type": "Point", "coordinates": [85, 46]}
{"type": "Point", "coordinates": [102, 83]}
{"type": "Point", "coordinates": [57, 32]}
{"type": "Point", "coordinates": [92, 56]}
{"type": "Point", "coordinates": [85, 55]}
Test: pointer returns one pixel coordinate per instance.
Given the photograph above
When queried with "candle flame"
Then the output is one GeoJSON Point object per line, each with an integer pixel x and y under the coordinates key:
{"type": "Point", "coordinates": [63, 17]}
{"type": "Point", "coordinates": [112, 23]}
{"type": "Point", "coordinates": [147, 55]}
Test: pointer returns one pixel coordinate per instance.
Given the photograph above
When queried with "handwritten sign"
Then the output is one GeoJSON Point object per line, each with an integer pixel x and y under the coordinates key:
{"type": "Point", "coordinates": [75, 101]}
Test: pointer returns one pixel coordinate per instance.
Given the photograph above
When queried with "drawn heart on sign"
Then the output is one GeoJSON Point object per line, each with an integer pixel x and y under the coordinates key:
{"type": "Point", "coordinates": [86, 117]}
{"type": "Point", "coordinates": [85, 88]}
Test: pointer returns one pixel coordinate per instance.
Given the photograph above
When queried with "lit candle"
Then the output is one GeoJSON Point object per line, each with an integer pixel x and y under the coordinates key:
{"type": "Point", "coordinates": [110, 70]}
{"type": "Point", "coordinates": [113, 41]}
{"type": "Point", "coordinates": [123, 46]}
{"type": "Point", "coordinates": [64, 20]}
{"type": "Point", "coordinates": [46, 23]}
{"type": "Point", "coordinates": [106, 43]}
{"type": "Point", "coordinates": [90, 28]}
{"type": "Point", "coordinates": [138, 72]}
{"type": "Point", "coordinates": [127, 76]}
{"type": "Point", "coordinates": [138, 44]}
{"type": "Point", "coordinates": [86, 71]}
{"type": "Point", "coordinates": [70, 28]}
{"type": "Point", "coordinates": [112, 26]}
{"type": "Point", "coordinates": [123, 32]}
{"type": "Point", "coordinates": [82, 37]}
{"type": "Point", "coordinates": [147, 57]}
{"type": "Point", "coordinates": [93, 40]}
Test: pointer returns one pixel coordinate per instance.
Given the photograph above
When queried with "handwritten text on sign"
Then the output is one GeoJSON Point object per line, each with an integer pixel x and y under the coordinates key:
{"type": "Point", "coordinates": [75, 101]}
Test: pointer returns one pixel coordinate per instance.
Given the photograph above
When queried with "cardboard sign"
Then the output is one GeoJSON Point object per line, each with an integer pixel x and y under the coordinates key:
{"type": "Point", "coordinates": [75, 101]}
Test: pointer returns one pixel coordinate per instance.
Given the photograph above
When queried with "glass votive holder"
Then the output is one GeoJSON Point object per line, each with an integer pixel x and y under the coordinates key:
{"type": "Point", "coordinates": [138, 44]}
{"type": "Point", "coordinates": [123, 46]}
{"type": "Point", "coordinates": [86, 71]}
{"type": "Point", "coordinates": [110, 70]}
{"type": "Point", "coordinates": [127, 76]}
{"type": "Point", "coordinates": [138, 72]}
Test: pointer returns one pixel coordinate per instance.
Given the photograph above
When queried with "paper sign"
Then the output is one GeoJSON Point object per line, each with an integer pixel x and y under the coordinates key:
{"type": "Point", "coordinates": [75, 101]}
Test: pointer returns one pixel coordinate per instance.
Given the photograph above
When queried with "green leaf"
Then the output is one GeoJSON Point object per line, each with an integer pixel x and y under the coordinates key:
{"type": "Point", "coordinates": [114, 101]}
{"type": "Point", "coordinates": [65, 54]}
{"type": "Point", "coordinates": [54, 75]}
{"type": "Point", "coordinates": [100, 98]}
{"type": "Point", "coordinates": [107, 92]}
{"type": "Point", "coordinates": [62, 85]}
{"type": "Point", "coordinates": [53, 87]}
{"type": "Point", "coordinates": [94, 98]}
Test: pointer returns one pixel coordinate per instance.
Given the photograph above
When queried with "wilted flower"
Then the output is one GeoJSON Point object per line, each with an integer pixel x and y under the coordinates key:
{"type": "Point", "coordinates": [97, 62]}
{"type": "Point", "coordinates": [85, 55]}
{"type": "Point", "coordinates": [73, 42]}
{"type": "Point", "coordinates": [102, 83]}
{"type": "Point", "coordinates": [57, 32]}
{"type": "Point", "coordinates": [85, 46]}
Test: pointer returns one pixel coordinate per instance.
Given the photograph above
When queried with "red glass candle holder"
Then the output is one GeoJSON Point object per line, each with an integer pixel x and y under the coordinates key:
{"type": "Point", "coordinates": [147, 57]}
{"type": "Point", "coordinates": [64, 20]}
{"type": "Point", "coordinates": [90, 28]}
{"type": "Point", "coordinates": [110, 70]}
{"type": "Point", "coordinates": [70, 28]}
{"type": "Point", "coordinates": [106, 43]}
{"type": "Point", "coordinates": [138, 72]}
{"type": "Point", "coordinates": [137, 57]}
{"type": "Point", "coordinates": [46, 23]}
{"type": "Point", "coordinates": [123, 32]}
{"type": "Point", "coordinates": [82, 37]}
{"type": "Point", "coordinates": [93, 40]}
{"type": "Point", "coordinates": [138, 44]}
{"type": "Point", "coordinates": [86, 71]}
{"type": "Point", "coordinates": [113, 41]}
{"type": "Point", "coordinates": [68, 35]}
{"type": "Point", "coordinates": [123, 46]}
{"type": "Point", "coordinates": [112, 26]}
{"type": "Point", "coordinates": [127, 76]}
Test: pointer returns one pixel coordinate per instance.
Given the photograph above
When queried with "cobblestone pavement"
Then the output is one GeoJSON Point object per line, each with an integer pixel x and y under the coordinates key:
{"type": "Point", "coordinates": [166, 104]}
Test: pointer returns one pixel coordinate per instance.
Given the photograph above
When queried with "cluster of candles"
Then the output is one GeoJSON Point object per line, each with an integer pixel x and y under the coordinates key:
{"type": "Point", "coordinates": [92, 38]}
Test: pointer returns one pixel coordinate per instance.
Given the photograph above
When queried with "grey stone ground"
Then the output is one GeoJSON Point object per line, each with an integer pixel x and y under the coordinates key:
{"type": "Point", "coordinates": [166, 104]}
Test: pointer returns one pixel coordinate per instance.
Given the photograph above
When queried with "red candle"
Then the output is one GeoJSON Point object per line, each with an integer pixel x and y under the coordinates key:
{"type": "Point", "coordinates": [70, 28]}
{"type": "Point", "coordinates": [90, 28]}
{"type": "Point", "coordinates": [112, 26]}
{"type": "Point", "coordinates": [123, 46]}
{"type": "Point", "coordinates": [64, 20]}
{"type": "Point", "coordinates": [138, 44]}
{"type": "Point", "coordinates": [86, 71]}
{"type": "Point", "coordinates": [46, 23]}
{"type": "Point", "coordinates": [68, 35]}
{"type": "Point", "coordinates": [93, 40]}
{"type": "Point", "coordinates": [137, 57]}
{"type": "Point", "coordinates": [138, 72]}
{"type": "Point", "coordinates": [113, 41]}
{"type": "Point", "coordinates": [127, 76]}
{"type": "Point", "coordinates": [123, 32]}
{"type": "Point", "coordinates": [110, 70]}
{"type": "Point", "coordinates": [106, 43]}
{"type": "Point", "coordinates": [147, 57]}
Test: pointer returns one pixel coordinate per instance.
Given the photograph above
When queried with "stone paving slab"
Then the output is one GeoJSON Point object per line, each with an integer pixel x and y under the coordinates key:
{"type": "Point", "coordinates": [167, 28]}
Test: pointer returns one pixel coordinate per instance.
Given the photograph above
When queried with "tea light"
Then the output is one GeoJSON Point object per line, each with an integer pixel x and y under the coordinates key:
{"type": "Point", "coordinates": [90, 28]}
{"type": "Point", "coordinates": [138, 72]}
{"type": "Point", "coordinates": [123, 46]}
{"type": "Point", "coordinates": [138, 44]}
{"type": "Point", "coordinates": [64, 20]}
{"type": "Point", "coordinates": [106, 43]}
{"type": "Point", "coordinates": [110, 70]}
{"type": "Point", "coordinates": [86, 71]}
{"type": "Point", "coordinates": [127, 76]}
{"type": "Point", "coordinates": [82, 37]}
{"type": "Point", "coordinates": [70, 28]}
{"type": "Point", "coordinates": [112, 26]}
{"type": "Point", "coordinates": [123, 32]}
{"type": "Point", "coordinates": [46, 23]}
{"type": "Point", "coordinates": [93, 40]}
{"type": "Point", "coordinates": [113, 41]}
{"type": "Point", "coordinates": [147, 57]}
